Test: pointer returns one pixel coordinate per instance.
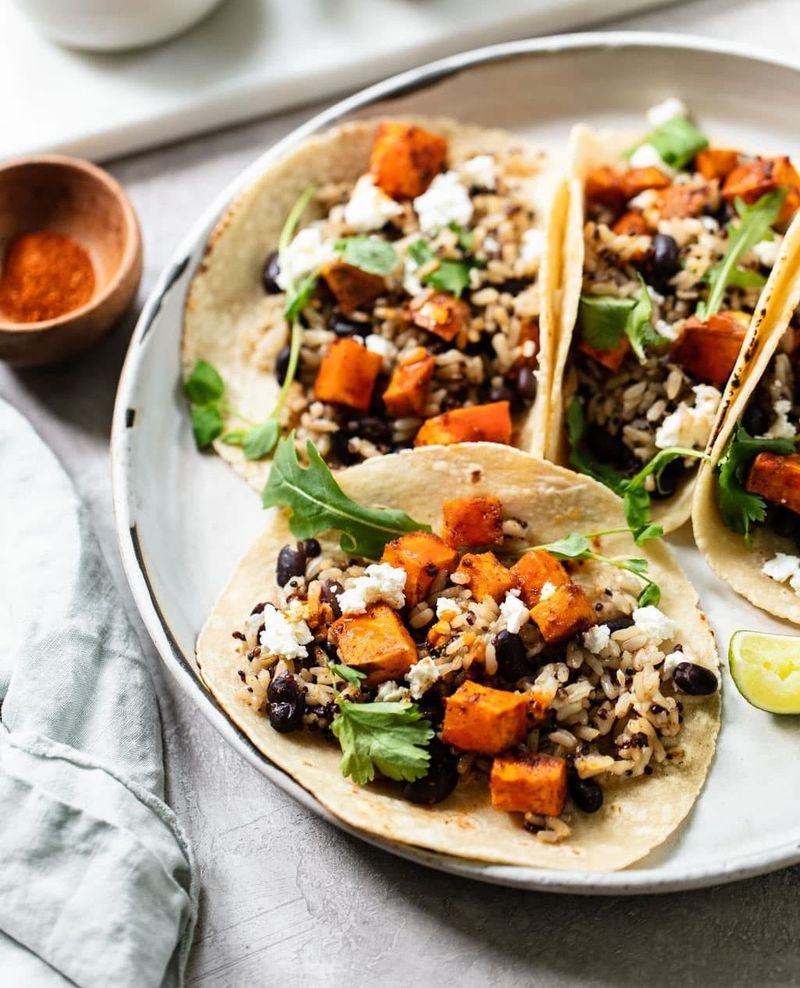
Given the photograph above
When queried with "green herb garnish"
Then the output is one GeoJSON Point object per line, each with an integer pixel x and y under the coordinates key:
{"type": "Point", "coordinates": [205, 390]}
{"type": "Point", "coordinates": [465, 238]}
{"type": "Point", "coordinates": [369, 254]}
{"type": "Point", "coordinates": [606, 319]}
{"type": "Point", "coordinates": [421, 252]}
{"type": "Point", "coordinates": [389, 737]}
{"type": "Point", "coordinates": [449, 276]}
{"type": "Point", "coordinates": [677, 141]}
{"type": "Point", "coordinates": [347, 673]}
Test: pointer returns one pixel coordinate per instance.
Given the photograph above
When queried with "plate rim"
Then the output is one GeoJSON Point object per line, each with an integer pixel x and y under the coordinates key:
{"type": "Point", "coordinates": [624, 882]}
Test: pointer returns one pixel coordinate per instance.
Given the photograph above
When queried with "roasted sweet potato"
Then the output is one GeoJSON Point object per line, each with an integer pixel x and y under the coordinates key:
{"type": "Point", "coordinates": [610, 359]}
{"type": "Point", "coordinates": [604, 185]}
{"type": "Point", "coordinates": [708, 349]}
{"type": "Point", "coordinates": [535, 568]}
{"type": "Point", "coordinates": [347, 375]}
{"type": "Point", "coordinates": [423, 556]}
{"type": "Point", "coordinates": [681, 201]}
{"type": "Point", "coordinates": [405, 158]}
{"type": "Point", "coordinates": [376, 643]}
{"type": "Point", "coordinates": [564, 614]}
{"type": "Point", "coordinates": [529, 784]}
{"type": "Point", "coordinates": [473, 521]}
{"type": "Point", "coordinates": [407, 393]}
{"type": "Point", "coordinates": [753, 179]}
{"type": "Point", "coordinates": [487, 576]}
{"type": "Point", "coordinates": [636, 180]}
{"type": "Point", "coordinates": [352, 287]}
{"type": "Point", "coordinates": [478, 718]}
{"type": "Point", "coordinates": [716, 162]}
{"type": "Point", "coordinates": [777, 478]}
{"type": "Point", "coordinates": [478, 423]}
{"type": "Point", "coordinates": [442, 314]}
{"type": "Point", "coordinates": [632, 224]}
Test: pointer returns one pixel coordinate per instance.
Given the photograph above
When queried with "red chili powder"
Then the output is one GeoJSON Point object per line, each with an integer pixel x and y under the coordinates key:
{"type": "Point", "coordinates": [44, 275]}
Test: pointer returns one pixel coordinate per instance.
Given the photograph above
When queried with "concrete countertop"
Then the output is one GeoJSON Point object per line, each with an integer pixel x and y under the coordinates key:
{"type": "Point", "coordinates": [285, 897]}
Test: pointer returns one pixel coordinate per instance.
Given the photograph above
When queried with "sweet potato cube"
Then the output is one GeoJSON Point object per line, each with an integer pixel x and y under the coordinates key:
{"type": "Point", "coordinates": [533, 570]}
{"type": "Point", "coordinates": [423, 556]}
{"type": "Point", "coordinates": [347, 375]}
{"type": "Point", "coordinates": [777, 478]}
{"type": "Point", "coordinates": [716, 162]}
{"type": "Point", "coordinates": [442, 314]}
{"type": "Point", "coordinates": [604, 185]}
{"type": "Point", "coordinates": [682, 201]}
{"type": "Point", "coordinates": [478, 423]}
{"type": "Point", "coordinates": [755, 178]}
{"type": "Point", "coordinates": [405, 158]}
{"type": "Point", "coordinates": [487, 576]}
{"type": "Point", "coordinates": [529, 784]}
{"type": "Point", "coordinates": [610, 359]}
{"type": "Point", "coordinates": [407, 393]}
{"type": "Point", "coordinates": [636, 180]}
{"type": "Point", "coordinates": [478, 718]}
{"type": "Point", "coordinates": [352, 287]}
{"type": "Point", "coordinates": [376, 643]}
{"type": "Point", "coordinates": [632, 224]}
{"type": "Point", "coordinates": [473, 521]}
{"type": "Point", "coordinates": [708, 349]}
{"type": "Point", "coordinates": [563, 614]}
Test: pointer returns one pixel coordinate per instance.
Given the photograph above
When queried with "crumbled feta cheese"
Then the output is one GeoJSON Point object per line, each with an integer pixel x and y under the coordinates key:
{"type": "Point", "coordinates": [283, 637]}
{"type": "Point", "coordinates": [479, 172]}
{"type": "Point", "coordinates": [781, 567]}
{"type": "Point", "coordinates": [690, 425]}
{"type": "Point", "coordinates": [662, 113]}
{"type": "Point", "coordinates": [532, 249]}
{"type": "Point", "coordinates": [380, 582]}
{"type": "Point", "coordinates": [369, 207]}
{"type": "Point", "coordinates": [548, 589]}
{"type": "Point", "coordinates": [446, 608]}
{"type": "Point", "coordinates": [490, 245]}
{"type": "Point", "coordinates": [644, 200]}
{"type": "Point", "coordinates": [421, 676]}
{"type": "Point", "coordinates": [514, 612]}
{"type": "Point", "coordinates": [445, 201]}
{"type": "Point", "coordinates": [663, 328]}
{"type": "Point", "coordinates": [782, 428]}
{"type": "Point", "coordinates": [646, 156]}
{"type": "Point", "coordinates": [673, 660]}
{"type": "Point", "coordinates": [596, 638]}
{"type": "Point", "coordinates": [710, 224]}
{"type": "Point", "coordinates": [654, 623]}
{"type": "Point", "coordinates": [411, 282]}
{"type": "Point", "coordinates": [391, 692]}
{"type": "Point", "coordinates": [307, 252]}
{"type": "Point", "coordinates": [767, 251]}
{"type": "Point", "coordinates": [380, 345]}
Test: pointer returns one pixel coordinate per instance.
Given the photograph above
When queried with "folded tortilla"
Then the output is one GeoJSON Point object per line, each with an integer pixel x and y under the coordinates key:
{"type": "Point", "coordinates": [637, 815]}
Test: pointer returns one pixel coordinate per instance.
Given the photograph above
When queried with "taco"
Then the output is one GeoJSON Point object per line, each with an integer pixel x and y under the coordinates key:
{"type": "Point", "coordinates": [468, 668]}
{"type": "Point", "coordinates": [385, 285]}
{"type": "Point", "coordinates": [671, 248]}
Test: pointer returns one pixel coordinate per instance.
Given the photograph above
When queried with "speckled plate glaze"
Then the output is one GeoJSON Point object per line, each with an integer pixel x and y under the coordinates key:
{"type": "Point", "coordinates": [183, 520]}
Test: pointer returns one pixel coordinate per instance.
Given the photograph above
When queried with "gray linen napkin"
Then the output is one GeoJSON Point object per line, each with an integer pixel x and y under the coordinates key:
{"type": "Point", "coordinates": [97, 884]}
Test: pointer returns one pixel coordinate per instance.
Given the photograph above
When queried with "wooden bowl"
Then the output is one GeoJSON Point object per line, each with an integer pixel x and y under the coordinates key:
{"type": "Point", "coordinates": [77, 199]}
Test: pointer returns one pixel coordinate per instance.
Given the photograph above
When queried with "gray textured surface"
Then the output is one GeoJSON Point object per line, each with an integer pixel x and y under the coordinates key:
{"type": "Point", "coordinates": [287, 898]}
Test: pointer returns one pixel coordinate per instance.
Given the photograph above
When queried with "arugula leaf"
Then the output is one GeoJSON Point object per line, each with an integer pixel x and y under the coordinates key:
{"type": "Point", "coordinates": [368, 253]}
{"type": "Point", "coordinates": [754, 225]}
{"type": "Point", "coordinates": [204, 384]}
{"type": "Point", "coordinates": [580, 459]}
{"type": "Point", "coordinates": [605, 319]}
{"type": "Point", "coordinates": [738, 507]}
{"type": "Point", "coordinates": [347, 673]}
{"type": "Point", "coordinates": [389, 737]}
{"type": "Point", "coordinates": [638, 328]}
{"type": "Point", "coordinates": [421, 252]}
{"type": "Point", "coordinates": [206, 424]}
{"type": "Point", "coordinates": [745, 278]}
{"type": "Point", "coordinates": [449, 276]}
{"type": "Point", "coordinates": [318, 504]}
{"type": "Point", "coordinates": [261, 439]}
{"type": "Point", "coordinates": [677, 141]}
{"type": "Point", "coordinates": [572, 546]}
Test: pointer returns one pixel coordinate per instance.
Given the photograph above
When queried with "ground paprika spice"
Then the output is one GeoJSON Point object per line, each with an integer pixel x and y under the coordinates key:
{"type": "Point", "coordinates": [44, 275]}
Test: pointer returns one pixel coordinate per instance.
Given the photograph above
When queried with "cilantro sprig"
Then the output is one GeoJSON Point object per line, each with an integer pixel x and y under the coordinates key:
{"type": "Point", "coordinates": [606, 319]}
{"type": "Point", "coordinates": [449, 275]}
{"type": "Point", "coordinates": [368, 253]}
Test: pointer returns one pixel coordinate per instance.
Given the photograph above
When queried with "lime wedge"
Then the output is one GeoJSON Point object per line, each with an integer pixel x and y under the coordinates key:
{"type": "Point", "coordinates": [766, 670]}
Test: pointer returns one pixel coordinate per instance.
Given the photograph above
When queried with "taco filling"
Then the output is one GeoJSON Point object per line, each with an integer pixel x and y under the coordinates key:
{"type": "Point", "coordinates": [679, 241]}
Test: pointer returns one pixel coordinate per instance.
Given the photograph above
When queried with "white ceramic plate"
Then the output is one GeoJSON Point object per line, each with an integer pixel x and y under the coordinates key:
{"type": "Point", "coordinates": [184, 519]}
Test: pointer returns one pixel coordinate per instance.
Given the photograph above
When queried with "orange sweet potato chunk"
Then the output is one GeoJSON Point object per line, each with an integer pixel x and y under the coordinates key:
{"type": "Point", "coordinates": [708, 349]}
{"type": "Point", "coordinates": [352, 287]}
{"type": "Point", "coordinates": [405, 158]}
{"type": "Point", "coordinates": [533, 570]}
{"type": "Point", "coordinates": [604, 185]}
{"type": "Point", "coordinates": [716, 162]}
{"type": "Point", "coordinates": [682, 201]}
{"type": "Point", "coordinates": [777, 478]}
{"type": "Point", "coordinates": [632, 224]}
{"type": "Point", "coordinates": [487, 576]}
{"type": "Point", "coordinates": [423, 556]}
{"type": "Point", "coordinates": [610, 359]}
{"type": "Point", "coordinates": [407, 393]}
{"type": "Point", "coordinates": [753, 179]}
{"type": "Point", "coordinates": [636, 180]}
{"type": "Point", "coordinates": [347, 375]}
{"type": "Point", "coordinates": [441, 313]}
{"type": "Point", "coordinates": [473, 521]}
{"type": "Point", "coordinates": [376, 643]}
{"type": "Point", "coordinates": [478, 423]}
{"type": "Point", "coordinates": [478, 718]}
{"type": "Point", "coordinates": [529, 784]}
{"type": "Point", "coordinates": [564, 614]}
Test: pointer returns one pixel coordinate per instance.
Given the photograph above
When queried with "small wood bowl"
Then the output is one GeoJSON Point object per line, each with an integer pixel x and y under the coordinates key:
{"type": "Point", "coordinates": [77, 199]}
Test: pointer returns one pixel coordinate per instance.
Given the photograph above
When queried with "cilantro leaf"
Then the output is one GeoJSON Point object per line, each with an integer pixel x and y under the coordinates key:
{"type": "Point", "coordinates": [347, 673]}
{"type": "Point", "coordinates": [636, 498]}
{"type": "Point", "coordinates": [466, 238]}
{"type": "Point", "coordinates": [318, 504]}
{"type": "Point", "coordinates": [204, 384]}
{"type": "Point", "coordinates": [650, 595]}
{"type": "Point", "coordinates": [368, 253]}
{"type": "Point", "coordinates": [572, 546]}
{"type": "Point", "coordinates": [261, 439]}
{"type": "Point", "coordinates": [233, 438]}
{"type": "Point", "coordinates": [738, 507]}
{"type": "Point", "coordinates": [389, 737]}
{"type": "Point", "coordinates": [206, 424]}
{"type": "Point", "coordinates": [638, 328]}
{"type": "Point", "coordinates": [580, 459]}
{"type": "Point", "coordinates": [449, 276]}
{"type": "Point", "coordinates": [602, 319]}
{"type": "Point", "coordinates": [421, 252]}
{"type": "Point", "coordinates": [677, 141]}
{"type": "Point", "coordinates": [298, 298]}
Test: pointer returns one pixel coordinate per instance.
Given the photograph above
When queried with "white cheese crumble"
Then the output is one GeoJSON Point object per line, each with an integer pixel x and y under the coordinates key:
{"type": "Point", "coordinates": [688, 425]}
{"type": "Point", "coordinates": [479, 172]}
{"type": "Point", "coordinates": [369, 207]}
{"type": "Point", "coordinates": [767, 251]}
{"type": "Point", "coordinates": [532, 248]}
{"type": "Point", "coordinates": [391, 692]}
{"type": "Point", "coordinates": [646, 156]}
{"type": "Point", "coordinates": [421, 676]}
{"type": "Point", "coordinates": [644, 200]}
{"type": "Point", "coordinates": [446, 609]}
{"type": "Point", "coordinates": [411, 282]}
{"type": "Point", "coordinates": [380, 582]}
{"type": "Point", "coordinates": [783, 567]}
{"type": "Point", "coordinates": [596, 638]}
{"type": "Point", "coordinates": [514, 612]}
{"type": "Point", "coordinates": [283, 637]}
{"type": "Point", "coordinates": [782, 428]}
{"type": "Point", "coordinates": [654, 623]}
{"type": "Point", "coordinates": [662, 113]}
{"type": "Point", "coordinates": [671, 662]}
{"type": "Point", "coordinates": [307, 252]}
{"type": "Point", "coordinates": [547, 591]}
{"type": "Point", "coordinates": [380, 345]}
{"type": "Point", "coordinates": [445, 201]}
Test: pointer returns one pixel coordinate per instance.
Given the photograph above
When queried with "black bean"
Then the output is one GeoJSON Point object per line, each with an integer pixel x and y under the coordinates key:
{"type": "Point", "coordinates": [587, 794]}
{"type": "Point", "coordinates": [340, 447]}
{"type": "Point", "coordinates": [666, 255]}
{"type": "Point", "coordinates": [694, 679]}
{"type": "Point", "coordinates": [526, 383]}
{"type": "Point", "coordinates": [514, 285]}
{"type": "Point", "coordinates": [440, 780]}
{"type": "Point", "coordinates": [510, 653]}
{"type": "Point", "coordinates": [290, 563]}
{"type": "Point", "coordinates": [373, 429]}
{"type": "Point", "coordinates": [757, 416]}
{"type": "Point", "coordinates": [342, 326]}
{"type": "Point", "coordinates": [328, 595]}
{"type": "Point", "coordinates": [431, 705]}
{"type": "Point", "coordinates": [783, 521]}
{"type": "Point", "coordinates": [269, 276]}
{"type": "Point", "coordinates": [282, 364]}
{"type": "Point", "coordinates": [619, 623]}
{"type": "Point", "coordinates": [607, 448]}
{"type": "Point", "coordinates": [286, 703]}
{"type": "Point", "coordinates": [310, 547]}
